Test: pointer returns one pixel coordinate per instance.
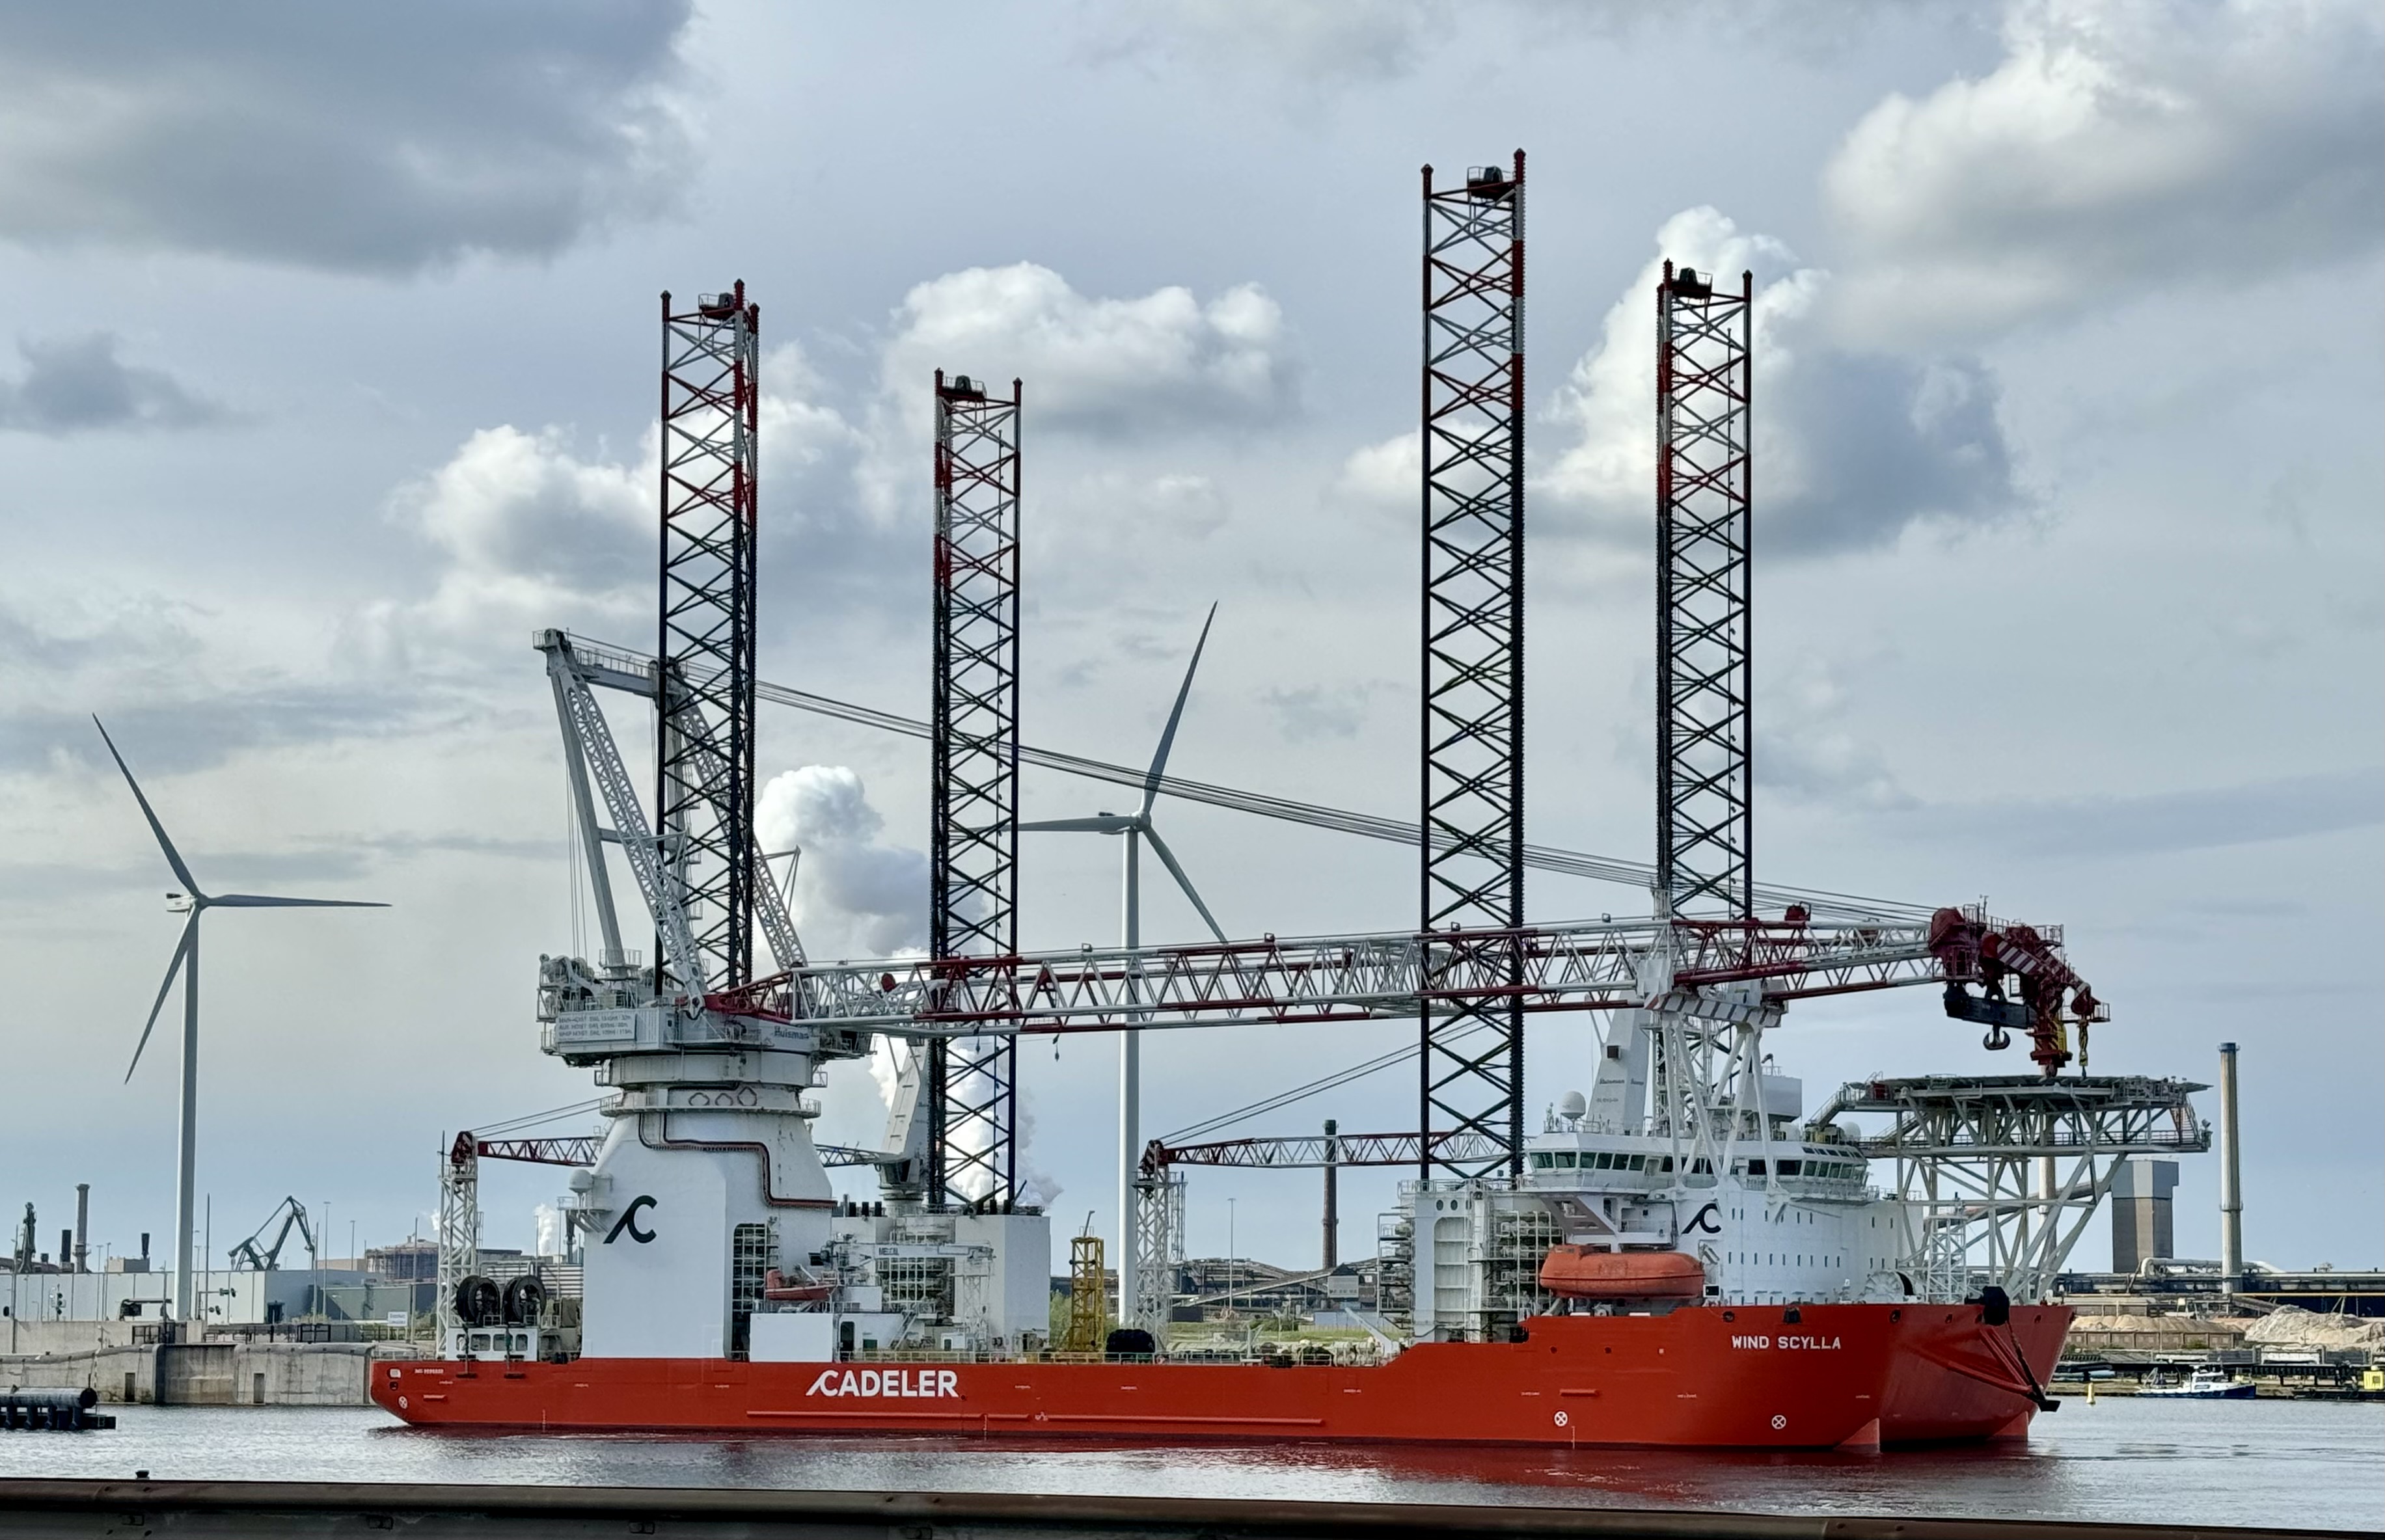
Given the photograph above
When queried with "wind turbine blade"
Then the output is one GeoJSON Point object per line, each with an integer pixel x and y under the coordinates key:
{"type": "Point", "coordinates": [1107, 823]}
{"type": "Point", "coordinates": [1168, 858]}
{"type": "Point", "coordinates": [1168, 739]}
{"type": "Point", "coordinates": [181, 949]}
{"type": "Point", "coordinates": [173, 857]}
{"type": "Point", "coordinates": [257, 900]}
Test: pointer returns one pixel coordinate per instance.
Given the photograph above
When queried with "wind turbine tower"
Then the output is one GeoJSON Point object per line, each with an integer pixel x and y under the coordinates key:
{"type": "Point", "coordinates": [1137, 826]}
{"type": "Point", "coordinates": [194, 902]}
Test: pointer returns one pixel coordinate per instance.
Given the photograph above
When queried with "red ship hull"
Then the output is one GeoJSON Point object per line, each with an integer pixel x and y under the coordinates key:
{"type": "Point", "coordinates": [1953, 1378]}
{"type": "Point", "coordinates": [1699, 1377]}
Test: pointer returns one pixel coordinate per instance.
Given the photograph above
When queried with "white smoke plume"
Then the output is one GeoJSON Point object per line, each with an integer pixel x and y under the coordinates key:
{"type": "Point", "coordinates": [855, 896]}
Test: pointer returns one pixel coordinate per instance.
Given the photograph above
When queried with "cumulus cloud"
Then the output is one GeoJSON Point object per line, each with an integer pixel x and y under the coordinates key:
{"type": "Point", "coordinates": [856, 894]}
{"type": "Point", "coordinates": [189, 687]}
{"type": "Point", "coordinates": [1336, 43]}
{"type": "Point", "coordinates": [1313, 40]}
{"type": "Point", "coordinates": [1116, 367]}
{"type": "Point", "coordinates": [528, 534]}
{"type": "Point", "coordinates": [1851, 448]}
{"type": "Point", "coordinates": [1184, 504]}
{"type": "Point", "coordinates": [1388, 475]}
{"type": "Point", "coordinates": [529, 528]}
{"type": "Point", "coordinates": [377, 139]}
{"type": "Point", "coordinates": [2118, 145]}
{"type": "Point", "coordinates": [78, 384]}
{"type": "Point", "coordinates": [803, 438]}
{"type": "Point", "coordinates": [1111, 512]}
{"type": "Point", "coordinates": [531, 531]}
{"type": "Point", "coordinates": [821, 533]}
{"type": "Point", "coordinates": [1806, 752]}
{"type": "Point", "coordinates": [47, 638]}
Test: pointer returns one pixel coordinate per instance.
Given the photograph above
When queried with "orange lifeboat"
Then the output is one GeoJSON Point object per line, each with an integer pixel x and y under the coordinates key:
{"type": "Point", "coordinates": [801, 1288]}
{"type": "Point", "coordinates": [1578, 1272]}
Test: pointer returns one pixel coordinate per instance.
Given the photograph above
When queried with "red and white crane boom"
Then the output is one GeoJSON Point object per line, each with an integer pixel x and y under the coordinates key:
{"type": "Point", "coordinates": [1677, 966]}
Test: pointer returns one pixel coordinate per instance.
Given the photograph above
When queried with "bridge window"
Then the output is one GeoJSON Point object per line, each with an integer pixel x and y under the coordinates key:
{"type": "Point", "coordinates": [1542, 1160]}
{"type": "Point", "coordinates": [1565, 1159]}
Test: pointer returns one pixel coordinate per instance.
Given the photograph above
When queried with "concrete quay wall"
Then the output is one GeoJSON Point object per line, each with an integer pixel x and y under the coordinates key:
{"type": "Point", "coordinates": [210, 1374]}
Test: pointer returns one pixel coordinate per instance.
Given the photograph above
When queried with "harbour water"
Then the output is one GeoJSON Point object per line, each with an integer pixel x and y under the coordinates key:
{"type": "Point", "coordinates": [2303, 1464]}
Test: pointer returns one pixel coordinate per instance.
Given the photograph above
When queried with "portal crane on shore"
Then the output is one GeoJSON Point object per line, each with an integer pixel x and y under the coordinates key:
{"type": "Point", "coordinates": [247, 1256]}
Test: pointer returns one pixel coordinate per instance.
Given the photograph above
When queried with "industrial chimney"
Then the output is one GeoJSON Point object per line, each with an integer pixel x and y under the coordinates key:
{"type": "Point", "coordinates": [1332, 1197]}
{"type": "Point", "coordinates": [82, 1227]}
{"type": "Point", "coordinates": [2231, 1178]}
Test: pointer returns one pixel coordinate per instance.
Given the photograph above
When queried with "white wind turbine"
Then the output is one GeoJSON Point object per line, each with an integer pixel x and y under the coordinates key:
{"type": "Point", "coordinates": [194, 903]}
{"type": "Point", "coordinates": [1136, 827]}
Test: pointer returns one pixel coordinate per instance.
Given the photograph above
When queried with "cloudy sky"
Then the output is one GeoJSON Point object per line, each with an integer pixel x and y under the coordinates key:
{"type": "Point", "coordinates": [326, 375]}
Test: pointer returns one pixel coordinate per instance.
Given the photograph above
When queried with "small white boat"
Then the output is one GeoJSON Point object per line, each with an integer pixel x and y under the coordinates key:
{"type": "Point", "coordinates": [2209, 1383]}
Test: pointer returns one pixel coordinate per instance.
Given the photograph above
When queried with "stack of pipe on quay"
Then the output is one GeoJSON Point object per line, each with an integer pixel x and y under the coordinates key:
{"type": "Point", "coordinates": [55, 1410]}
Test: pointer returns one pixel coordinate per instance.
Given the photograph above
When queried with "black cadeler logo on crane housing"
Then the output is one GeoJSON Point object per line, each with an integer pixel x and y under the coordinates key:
{"type": "Point", "coordinates": [629, 1220]}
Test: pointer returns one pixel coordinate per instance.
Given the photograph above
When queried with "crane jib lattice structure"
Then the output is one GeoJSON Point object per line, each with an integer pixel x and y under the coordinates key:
{"type": "Point", "coordinates": [973, 780]}
{"type": "Point", "coordinates": [1723, 973]}
{"type": "Point", "coordinates": [704, 745]}
{"type": "Point", "coordinates": [1705, 832]}
{"type": "Point", "coordinates": [1472, 783]}
{"type": "Point", "coordinates": [1307, 1151]}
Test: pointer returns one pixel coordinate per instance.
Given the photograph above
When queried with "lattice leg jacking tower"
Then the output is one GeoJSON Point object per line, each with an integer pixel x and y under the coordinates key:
{"type": "Point", "coordinates": [704, 748]}
{"type": "Point", "coordinates": [973, 834]}
{"type": "Point", "coordinates": [1473, 664]}
{"type": "Point", "coordinates": [1705, 642]}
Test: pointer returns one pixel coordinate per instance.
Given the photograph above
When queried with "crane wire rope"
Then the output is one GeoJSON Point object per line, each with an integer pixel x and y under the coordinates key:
{"type": "Point", "coordinates": [1282, 1099]}
{"type": "Point", "coordinates": [579, 1110]}
{"type": "Point", "coordinates": [1551, 858]}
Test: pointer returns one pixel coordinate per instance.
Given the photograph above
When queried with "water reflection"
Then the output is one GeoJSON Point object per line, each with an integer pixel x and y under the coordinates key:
{"type": "Point", "coordinates": [2220, 1462]}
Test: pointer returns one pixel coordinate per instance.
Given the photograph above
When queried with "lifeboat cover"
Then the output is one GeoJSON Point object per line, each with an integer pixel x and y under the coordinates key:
{"type": "Point", "coordinates": [1576, 1272]}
